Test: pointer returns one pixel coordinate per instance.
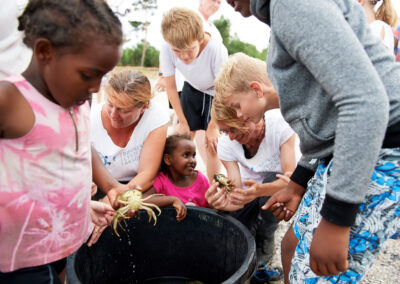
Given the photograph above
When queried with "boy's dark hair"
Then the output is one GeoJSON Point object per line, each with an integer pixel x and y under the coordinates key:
{"type": "Point", "coordinates": [69, 23]}
{"type": "Point", "coordinates": [170, 146]}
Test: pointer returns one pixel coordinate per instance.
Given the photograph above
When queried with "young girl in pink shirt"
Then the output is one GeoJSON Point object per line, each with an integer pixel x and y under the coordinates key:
{"type": "Point", "coordinates": [46, 159]}
{"type": "Point", "coordinates": [178, 176]}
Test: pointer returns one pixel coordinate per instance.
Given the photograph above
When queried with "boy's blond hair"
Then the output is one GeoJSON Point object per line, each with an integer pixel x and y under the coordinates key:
{"type": "Point", "coordinates": [221, 113]}
{"type": "Point", "coordinates": [237, 73]}
{"type": "Point", "coordinates": [128, 88]}
{"type": "Point", "coordinates": [181, 27]}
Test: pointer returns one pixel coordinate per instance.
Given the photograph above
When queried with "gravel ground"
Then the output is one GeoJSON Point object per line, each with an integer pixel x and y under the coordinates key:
{"type": "Point", "coordinates": [385, 270]}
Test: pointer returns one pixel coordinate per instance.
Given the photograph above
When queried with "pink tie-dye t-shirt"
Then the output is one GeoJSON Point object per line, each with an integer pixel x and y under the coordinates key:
{"type": "Point", "coordinates": [194, 193]}
{"type": "Point", "coordinates": [44, 185]}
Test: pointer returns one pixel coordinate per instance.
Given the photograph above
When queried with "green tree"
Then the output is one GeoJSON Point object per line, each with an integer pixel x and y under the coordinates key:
{"type": "Point", "coordinates": [234, 44]}
{"type": "Point", "coordinates": [146, 8]}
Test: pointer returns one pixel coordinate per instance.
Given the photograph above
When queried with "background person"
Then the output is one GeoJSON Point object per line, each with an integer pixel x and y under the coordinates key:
{"type": "Point", "coordinates": [381, 19]}
{"type": "Point", "coordinates": [127, 131]}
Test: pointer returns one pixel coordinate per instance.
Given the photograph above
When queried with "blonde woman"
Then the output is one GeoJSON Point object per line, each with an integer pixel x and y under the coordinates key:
{"type": "Point", "coordinates": [127, 131]}
{"type": "Point", "coordinates": [254, 154]}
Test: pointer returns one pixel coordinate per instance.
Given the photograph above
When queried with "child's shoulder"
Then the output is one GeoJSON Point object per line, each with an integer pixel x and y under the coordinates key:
{"type": "Point", "coordinates": [8, 93]}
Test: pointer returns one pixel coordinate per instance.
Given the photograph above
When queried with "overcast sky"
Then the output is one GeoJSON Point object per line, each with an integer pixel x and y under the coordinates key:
{"type": "Point", "coordinates": [248, 29]}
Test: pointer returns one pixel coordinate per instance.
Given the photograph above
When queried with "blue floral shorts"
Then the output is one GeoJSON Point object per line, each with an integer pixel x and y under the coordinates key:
{"type": "Point", "coordinates": [377, 220]}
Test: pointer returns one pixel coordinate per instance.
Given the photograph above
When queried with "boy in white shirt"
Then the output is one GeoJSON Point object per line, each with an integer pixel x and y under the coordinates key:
{"type": "Point", "coordinates": [198, 56]}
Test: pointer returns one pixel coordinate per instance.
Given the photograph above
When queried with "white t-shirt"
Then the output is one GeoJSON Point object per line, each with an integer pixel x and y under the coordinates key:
{"type": "Point", "coordinates": [14, 55]}
{"type": "Point", "coordinates": [123, 163]}
{"type": "Point", "coordinates": [268, 156]}
{"type": "Point", "coordinates": [388, 39]}
{"type": "Point", "coordinates": [202, 71]}
{"type": "Point", "coordinates": [209, 27]}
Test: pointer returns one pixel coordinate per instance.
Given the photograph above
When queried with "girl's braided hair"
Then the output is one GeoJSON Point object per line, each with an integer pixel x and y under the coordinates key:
{"type": "Point", "coordinates": [69, 23]}
{"type": "Point", "coordinates": [170, 146]}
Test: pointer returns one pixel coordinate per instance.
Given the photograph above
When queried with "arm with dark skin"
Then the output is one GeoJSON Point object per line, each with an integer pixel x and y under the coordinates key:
{"type": "Point", "coordinates": [165, 201]}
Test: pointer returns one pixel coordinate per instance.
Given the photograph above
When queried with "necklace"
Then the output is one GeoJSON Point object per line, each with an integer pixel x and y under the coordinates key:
{"type": "Point", "coordinates": [250, 149]}
{"type": "Point", "coordinates": [76, 129]}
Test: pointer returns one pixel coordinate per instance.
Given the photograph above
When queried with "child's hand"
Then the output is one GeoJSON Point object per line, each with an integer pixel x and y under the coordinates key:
{"type": "Point", "coordinates": [182, 128]}
{"type": "Point", "coordinates": [180, 208]}
{"type": "Point", "coordinates": [283, 204]}
{"type": "Point", "coordinates": [285, 177]}
{"type": "Point", "coordinates": [211, 139]}
{"type": "Point", "coordinates": [93, 190]}
{"type": "Point", "coordinates": [101, 213]}
{"type": "Point", "coordinates": [329, 247]}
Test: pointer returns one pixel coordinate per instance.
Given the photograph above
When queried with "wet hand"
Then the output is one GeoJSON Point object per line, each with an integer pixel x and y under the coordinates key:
{"type": "Point", "coordinates": [329, 249]}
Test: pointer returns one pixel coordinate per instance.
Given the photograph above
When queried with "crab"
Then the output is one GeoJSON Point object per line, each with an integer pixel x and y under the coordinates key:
{"type": "Point", "coordinates": [224, 182]}
{"type": "Point", "coordinates": [132, 199]}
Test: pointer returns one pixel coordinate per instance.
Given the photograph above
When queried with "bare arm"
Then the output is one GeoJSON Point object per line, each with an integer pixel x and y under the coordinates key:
{"type": "Point", "coordinates": [150, 158]}
{"type": "Point", "coordinates": [101, 176]}
{"type": "Point", "coordinates": [173, 97]}
{"type": "Point", "coordinates": [233, 172]}
{"type": "Point", "coordinates": [288, 164]}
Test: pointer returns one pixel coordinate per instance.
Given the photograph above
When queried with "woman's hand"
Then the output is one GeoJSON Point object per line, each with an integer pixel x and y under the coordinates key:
{"type": "Point", "coordinates": [216, 197]}
{"type": "Point", "coordinates": [180, 208]}
{"type": "Point", "coordinates": [329, 249]}
{"type": "Point", "coordinates": [283, 204]}
{"type": "Point", "coordinates": [240, 196]}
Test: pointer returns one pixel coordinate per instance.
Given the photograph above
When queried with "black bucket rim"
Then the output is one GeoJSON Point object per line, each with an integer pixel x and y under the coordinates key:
{"type": "Point", "coordinates": [244, 272]}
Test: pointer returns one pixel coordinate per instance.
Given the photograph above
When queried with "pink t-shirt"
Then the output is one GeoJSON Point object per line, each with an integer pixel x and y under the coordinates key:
{"type": "Point", "coordinates": [44, 185]}
{"type": "Point", "coordinates": [194, 193]}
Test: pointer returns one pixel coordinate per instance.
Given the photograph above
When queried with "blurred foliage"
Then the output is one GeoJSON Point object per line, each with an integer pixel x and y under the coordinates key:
{"type": "Point", "coordinates": [132, 56]}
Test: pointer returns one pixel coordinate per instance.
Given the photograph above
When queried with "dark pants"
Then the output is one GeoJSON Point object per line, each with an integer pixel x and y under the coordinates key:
{"type": "Point", "coordinates": [43, 274]}
{"type": "Point", "coordinates": [261, 223]}
{"type": "Point", "coordinates": [196, 107]}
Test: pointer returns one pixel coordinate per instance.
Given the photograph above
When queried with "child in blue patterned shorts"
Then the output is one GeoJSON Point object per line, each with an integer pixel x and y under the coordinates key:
{"type": "Point", "coordinates": [339, 89]}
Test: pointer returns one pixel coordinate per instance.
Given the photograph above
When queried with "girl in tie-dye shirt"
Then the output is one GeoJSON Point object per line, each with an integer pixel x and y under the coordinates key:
{"type": "Point", "coordinates": [45, 154]}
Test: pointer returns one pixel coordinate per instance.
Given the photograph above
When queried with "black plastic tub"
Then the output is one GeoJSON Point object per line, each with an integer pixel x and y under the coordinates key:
{"type": "Point", "coordinates": [206, 247]}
